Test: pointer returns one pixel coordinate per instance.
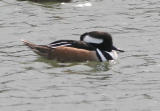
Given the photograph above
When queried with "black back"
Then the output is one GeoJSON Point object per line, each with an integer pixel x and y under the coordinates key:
{"type": "Point", "coordinates": [72, 43]}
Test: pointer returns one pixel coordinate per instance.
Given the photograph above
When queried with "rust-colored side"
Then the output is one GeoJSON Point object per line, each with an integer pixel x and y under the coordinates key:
{"type": "Point", "coordinates": [65, 54]}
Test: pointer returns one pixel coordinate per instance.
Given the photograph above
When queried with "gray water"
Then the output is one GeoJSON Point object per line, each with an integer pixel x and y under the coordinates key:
{"type": "Point", "coordinates": [31, 83]}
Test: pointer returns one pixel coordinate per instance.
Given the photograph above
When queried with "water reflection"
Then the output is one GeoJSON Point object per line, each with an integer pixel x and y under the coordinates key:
{"type": "Point", "coordinates": [76, 67]}
{"type": "Point", "coordinates": [30, 83]}
{"type": "Point", "coordinates": [44, 1]}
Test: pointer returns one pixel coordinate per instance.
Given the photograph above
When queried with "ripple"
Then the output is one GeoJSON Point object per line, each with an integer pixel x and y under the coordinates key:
{"type": "Point", "coordinates": [31, 83]}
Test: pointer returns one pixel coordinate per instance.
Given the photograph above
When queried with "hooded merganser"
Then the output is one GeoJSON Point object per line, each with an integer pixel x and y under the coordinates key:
{"type": "Point", "coordinates": [93, 46]}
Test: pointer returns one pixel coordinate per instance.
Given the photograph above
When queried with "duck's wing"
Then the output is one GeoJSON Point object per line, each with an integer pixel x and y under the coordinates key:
{"type": "Point", "coordinates": [63, 52]}
{"type": "Point", "coordinates": [44, 49]}
{"type": "Point", "coordinates": [72, 43]}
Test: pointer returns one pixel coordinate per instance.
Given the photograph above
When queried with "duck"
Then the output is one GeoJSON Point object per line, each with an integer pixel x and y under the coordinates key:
{"type": "Point", "coordinates": [92, 46]}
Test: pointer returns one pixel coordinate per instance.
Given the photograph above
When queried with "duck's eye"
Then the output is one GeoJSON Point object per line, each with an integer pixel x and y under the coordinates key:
{"type": "Point", "coordinates": [90, 39]}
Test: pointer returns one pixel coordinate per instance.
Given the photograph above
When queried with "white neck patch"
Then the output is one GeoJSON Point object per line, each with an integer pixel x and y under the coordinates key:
{"type": "Point", "coordinates": [90, 39]}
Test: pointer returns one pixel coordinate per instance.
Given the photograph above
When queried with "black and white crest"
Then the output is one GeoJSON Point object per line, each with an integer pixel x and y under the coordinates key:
{"type": "Point", "coordinates": [101, 40]}
{"type": "Point", "coordinates": [90, 39]}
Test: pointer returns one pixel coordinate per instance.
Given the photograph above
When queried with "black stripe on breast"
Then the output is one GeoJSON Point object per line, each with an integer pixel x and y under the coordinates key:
{"type": "Point", "coordinates": [107, 55]}
{"type": "Point", "coordinates": [103, 56]}
{"type": "Point", "coordinates": [99, 57]}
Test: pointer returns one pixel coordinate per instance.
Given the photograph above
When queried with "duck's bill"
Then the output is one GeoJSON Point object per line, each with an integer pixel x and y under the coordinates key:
{"type": "Point", "coordinates": [117, 49]}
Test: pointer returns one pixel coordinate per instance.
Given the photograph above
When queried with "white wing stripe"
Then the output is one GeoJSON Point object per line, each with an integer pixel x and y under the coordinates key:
{"type": "Point", "coordinates": [60, 45]}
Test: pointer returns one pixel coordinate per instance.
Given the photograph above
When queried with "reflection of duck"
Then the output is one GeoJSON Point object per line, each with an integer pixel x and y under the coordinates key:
{"type": "Point", "coordinates": [93, 46]}
{"type": "Point", "coordinates": [47, 0]}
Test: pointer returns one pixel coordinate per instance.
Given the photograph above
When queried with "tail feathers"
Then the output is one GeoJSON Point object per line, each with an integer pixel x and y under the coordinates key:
{"type": "Point", "coordinates": [29, 44]}
{"type": "Point", "coordinates": [42, 50]}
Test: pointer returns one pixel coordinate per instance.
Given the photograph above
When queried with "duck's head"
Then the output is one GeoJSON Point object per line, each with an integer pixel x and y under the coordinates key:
{"type": "Point", "coordinates": [100, 40]}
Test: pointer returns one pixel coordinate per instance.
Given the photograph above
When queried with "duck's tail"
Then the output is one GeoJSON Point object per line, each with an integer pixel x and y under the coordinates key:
{"type": "Point", "coordinates": [42, 50]}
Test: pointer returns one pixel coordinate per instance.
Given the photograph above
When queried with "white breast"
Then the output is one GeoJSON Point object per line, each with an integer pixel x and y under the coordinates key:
{"type": "Point", "coordinates": [113, 54]}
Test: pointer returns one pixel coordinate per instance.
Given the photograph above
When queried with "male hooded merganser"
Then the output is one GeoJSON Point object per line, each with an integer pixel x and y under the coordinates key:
{"type": "Point", "coordinates": [93, 46]}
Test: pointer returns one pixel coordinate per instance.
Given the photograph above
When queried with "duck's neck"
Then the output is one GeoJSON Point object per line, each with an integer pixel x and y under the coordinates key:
{"type": "Point", "coordinates": [106, 56]}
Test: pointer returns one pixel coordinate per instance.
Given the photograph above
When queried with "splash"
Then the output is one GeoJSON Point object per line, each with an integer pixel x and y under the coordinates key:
{"type": "Point", "coordinates": [87, 4]}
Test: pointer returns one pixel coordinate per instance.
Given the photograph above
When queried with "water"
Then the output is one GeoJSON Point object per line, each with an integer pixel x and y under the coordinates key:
{"type": "Point", "coordinates": [31, 83]}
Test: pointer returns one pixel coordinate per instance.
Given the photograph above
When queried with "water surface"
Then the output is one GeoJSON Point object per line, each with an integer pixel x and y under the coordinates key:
{"type": "Point", "coordinates": [31, 83]}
